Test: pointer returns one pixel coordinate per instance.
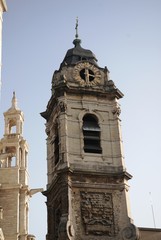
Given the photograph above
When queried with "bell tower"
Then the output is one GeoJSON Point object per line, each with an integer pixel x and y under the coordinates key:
{"type": "Point", "coordinates": [87, 190]}
{"type": "Point", "coordinates": [14, 190]}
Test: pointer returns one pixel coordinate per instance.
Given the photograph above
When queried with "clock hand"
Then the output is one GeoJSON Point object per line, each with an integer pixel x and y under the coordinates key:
{"type": "Point", "coordinates": [88, 75]}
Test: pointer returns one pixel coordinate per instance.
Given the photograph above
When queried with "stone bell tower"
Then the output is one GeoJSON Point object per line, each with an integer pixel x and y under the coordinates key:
{"type": "Point", "coordinates": [14, 190]}
{"type": "Point", "coordinates": [87, 190]}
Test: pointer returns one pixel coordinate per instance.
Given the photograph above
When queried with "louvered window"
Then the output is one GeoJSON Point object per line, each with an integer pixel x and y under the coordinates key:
{"type": "Point", "coordinates": [91, 132]}
{"type": "Point", "coordinates": [56, 145]}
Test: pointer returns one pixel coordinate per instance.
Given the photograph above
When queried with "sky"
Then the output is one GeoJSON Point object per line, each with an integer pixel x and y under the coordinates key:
{"type": "Point", "coordinates": [125, 36]}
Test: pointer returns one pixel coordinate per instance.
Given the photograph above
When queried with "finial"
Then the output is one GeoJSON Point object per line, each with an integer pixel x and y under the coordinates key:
{"type": "Point", "coordinates": [76, 28]}
{"type": "Point", "coordinates": [76, 41]}
{"type": "Point", "coordinates": [14, 101]}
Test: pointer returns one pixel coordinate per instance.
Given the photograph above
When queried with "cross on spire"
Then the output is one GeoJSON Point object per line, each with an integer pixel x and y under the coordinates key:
{"type": "Point", "coordinates": [76, 28]}
{"type": "Point", "coordinates": [76, 41]}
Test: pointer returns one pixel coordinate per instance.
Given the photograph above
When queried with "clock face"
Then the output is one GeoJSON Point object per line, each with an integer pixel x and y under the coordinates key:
{"type": "Point", "coordinates": [87, 74]}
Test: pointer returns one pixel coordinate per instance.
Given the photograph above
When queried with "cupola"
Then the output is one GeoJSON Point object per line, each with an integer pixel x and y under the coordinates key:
{"type": "Point", "coordinates": [76, 54]}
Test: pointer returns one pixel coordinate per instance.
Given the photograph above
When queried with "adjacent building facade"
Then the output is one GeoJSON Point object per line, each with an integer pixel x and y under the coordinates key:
{"type": "Point", "coordinates": [14, 189]}
{"type": "Point", "coordinates": [3, 8]}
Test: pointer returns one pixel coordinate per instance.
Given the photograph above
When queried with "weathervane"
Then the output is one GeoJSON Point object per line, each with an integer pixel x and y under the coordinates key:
{"type": "Point", "coordinates": [76, 28]}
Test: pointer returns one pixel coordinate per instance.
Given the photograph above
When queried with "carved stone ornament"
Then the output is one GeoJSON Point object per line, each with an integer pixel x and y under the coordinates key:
{"type": "Point", "coordinates": [106, 74]}
{"type": "Point", "coordinates": [116, 111]}
{"type": "Point", "coordinates": [97, 213]}
{"type": "Point", "coordinates": [62, 106]}
{"type": "Point", "coordinates": [58, 78]}
{"type": "Point", "coordinates": [62, 230]}
{"type": "Point", "coordinates": [130, 232]}
{"type": "Point", "coordinates": [70, 230]}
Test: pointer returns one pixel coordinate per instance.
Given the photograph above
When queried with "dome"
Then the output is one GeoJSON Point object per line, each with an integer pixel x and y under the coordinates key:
{"type": "Point", "coordinates": [77, 54]}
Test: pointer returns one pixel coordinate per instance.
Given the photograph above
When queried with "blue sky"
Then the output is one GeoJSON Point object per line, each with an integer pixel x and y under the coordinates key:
{"type": "Point", "coordinates": [125, 36]}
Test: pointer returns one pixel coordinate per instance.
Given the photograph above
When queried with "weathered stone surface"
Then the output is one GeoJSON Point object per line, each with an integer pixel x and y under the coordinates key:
{"type": "Point", "coordinates": [87, 192]}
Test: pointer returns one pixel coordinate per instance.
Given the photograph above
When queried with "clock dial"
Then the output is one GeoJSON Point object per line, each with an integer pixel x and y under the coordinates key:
{"type": "Point", "coordinates": [87, 74]}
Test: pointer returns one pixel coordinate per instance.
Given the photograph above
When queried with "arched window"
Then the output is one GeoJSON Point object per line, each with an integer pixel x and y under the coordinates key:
{"type": "Point", "coordinates": [91, 133]}
{"type": "Point", "coordinates": [12, 126]}
{"type": "Point", "coordinates": [56, 149]}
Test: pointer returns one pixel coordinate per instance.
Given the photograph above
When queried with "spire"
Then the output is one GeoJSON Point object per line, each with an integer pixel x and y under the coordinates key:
{"type": "Point", "coordinates": [76, 41]}
{"type": "Point", "coordinates": [14, 101]}
{"type": "Point", "coordinates": [14, 107]}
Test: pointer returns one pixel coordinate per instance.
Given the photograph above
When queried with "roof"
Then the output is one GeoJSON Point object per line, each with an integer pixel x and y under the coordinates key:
{"type": "Point", "coordinates": [77, 54]}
